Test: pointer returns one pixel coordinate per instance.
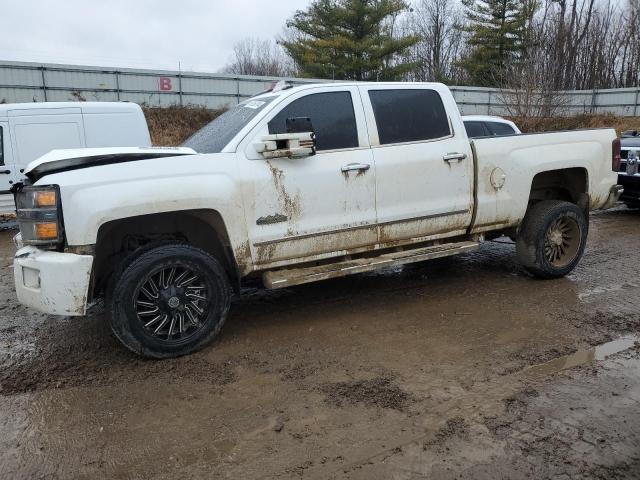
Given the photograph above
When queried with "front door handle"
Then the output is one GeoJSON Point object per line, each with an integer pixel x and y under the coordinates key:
{"type": "Point", "coordinates": [458, 157]}
{"type": "Point", "coordinates": [362, 167]}
{"type": "Point", "coordinates": [5, 172]}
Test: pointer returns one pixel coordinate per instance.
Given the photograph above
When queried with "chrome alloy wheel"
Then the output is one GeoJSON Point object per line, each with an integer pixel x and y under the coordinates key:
{"type": "Point", "coordinates": [171, 303]}
{"type": "Point", "coordinates": [562, 241]}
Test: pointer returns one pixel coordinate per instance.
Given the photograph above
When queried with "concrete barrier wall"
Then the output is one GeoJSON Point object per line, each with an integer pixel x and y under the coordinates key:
{"type": "Point", "coordinates": [32, 82]}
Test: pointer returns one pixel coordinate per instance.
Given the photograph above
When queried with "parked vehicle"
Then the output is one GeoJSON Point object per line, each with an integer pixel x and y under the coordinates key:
{"type": "Point", "coordinates": [29, 130]}
{"type": "Point", "coordinates": [629, 176]}
{"type": "Point", "coordinates": [294, 186]}
{"type": "Point", "coordinates": [479, 126]}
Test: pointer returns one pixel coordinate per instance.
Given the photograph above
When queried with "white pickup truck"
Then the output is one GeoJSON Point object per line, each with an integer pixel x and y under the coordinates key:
{"type": "Point", "coordinates": [295, 185]}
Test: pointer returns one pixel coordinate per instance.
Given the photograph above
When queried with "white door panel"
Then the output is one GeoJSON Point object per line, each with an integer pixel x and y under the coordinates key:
{"type": "Point", "coordinates": [308, 206]}
{"type": "Point", "coordinates": [319, 205]}
{"type": "Point", "coordinates": [33, 136]}
{"type": "Point", "coordinates": [418, 193]}
{"type": "Point", "coordinates": [424, 171]}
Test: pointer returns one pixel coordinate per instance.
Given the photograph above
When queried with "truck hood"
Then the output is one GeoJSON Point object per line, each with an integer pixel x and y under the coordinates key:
{"type": "Point", "coordinates": [63, 160]}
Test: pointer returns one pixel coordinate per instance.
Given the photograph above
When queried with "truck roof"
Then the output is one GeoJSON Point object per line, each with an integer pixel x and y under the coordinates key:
{"type": "Point", "coordinates": [45, 108]}
{"type": "Point", "coordinates": [289, 89]}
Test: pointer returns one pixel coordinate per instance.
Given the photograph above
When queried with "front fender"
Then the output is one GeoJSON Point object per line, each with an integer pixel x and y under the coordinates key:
{"type": "Point", "coordinates": [85, 210]}
{"type": "Point", "coordinates": [92, 197]}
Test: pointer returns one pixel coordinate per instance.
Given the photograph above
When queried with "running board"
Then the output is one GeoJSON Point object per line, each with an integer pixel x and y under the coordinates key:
{"type": "Point", "coordinates": [296, 276]}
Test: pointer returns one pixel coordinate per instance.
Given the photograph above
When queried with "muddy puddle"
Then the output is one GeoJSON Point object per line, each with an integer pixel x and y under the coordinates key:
{"type": "Point", "coordinates": [436, 370]}
{"type": "Point", "coordinates": [583, 356]}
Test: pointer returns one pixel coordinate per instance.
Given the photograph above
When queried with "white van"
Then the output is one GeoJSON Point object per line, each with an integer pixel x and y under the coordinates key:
{"type": "Point", "coordinates": [29, 130]}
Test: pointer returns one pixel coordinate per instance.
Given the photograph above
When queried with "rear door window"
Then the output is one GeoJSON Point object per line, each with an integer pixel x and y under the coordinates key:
{"type": "Point", "coordinates": [497, 128]}
{"type": "Point", "coordinates": [407, 115]}
{"type": "Point", "coordinates": [332, 116]}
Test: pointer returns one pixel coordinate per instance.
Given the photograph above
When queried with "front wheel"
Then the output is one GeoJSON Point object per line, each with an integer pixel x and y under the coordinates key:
{"type": "Point", "coordinates": [552, 238]}
{"type": "Point", "coordinates": [171, 301]}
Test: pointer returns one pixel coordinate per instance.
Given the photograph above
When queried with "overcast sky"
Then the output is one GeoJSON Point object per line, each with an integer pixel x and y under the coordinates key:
{"type": "Point", "coordinates": [137, 33]}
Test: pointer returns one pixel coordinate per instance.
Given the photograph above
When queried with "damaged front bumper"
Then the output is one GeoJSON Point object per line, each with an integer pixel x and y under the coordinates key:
{"type": "Point", "coordinates": [52, 282]}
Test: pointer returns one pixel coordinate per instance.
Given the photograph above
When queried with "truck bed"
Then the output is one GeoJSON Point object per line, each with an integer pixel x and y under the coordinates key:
{"type": "Point", "coordinates": [516, 160]}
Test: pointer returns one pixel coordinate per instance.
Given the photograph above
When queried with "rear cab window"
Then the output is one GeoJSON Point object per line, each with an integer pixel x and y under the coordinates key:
{"type": "Point", "coordinates": [409, 115]}
{"type": "Point", "coordinates": [331, 114]}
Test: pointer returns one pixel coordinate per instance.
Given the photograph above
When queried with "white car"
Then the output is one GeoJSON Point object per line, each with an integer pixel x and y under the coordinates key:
{"type": "Point", "coordinates": [479, 126]}
{"type": "Point", "coordinates": [29, 130]}
{"type": "Point", "coordinates": [296, 185]}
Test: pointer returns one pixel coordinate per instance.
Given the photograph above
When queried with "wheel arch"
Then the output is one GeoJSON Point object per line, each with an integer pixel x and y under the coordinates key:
{"type": "Point", "coordinates": [119, 240]}
{"type": "Point", "coordinates": [568, 184]}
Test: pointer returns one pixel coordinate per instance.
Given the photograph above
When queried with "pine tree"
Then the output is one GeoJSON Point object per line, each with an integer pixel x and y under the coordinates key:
{"type": "Point", "coordinates": [349, 40]}
{"type": "Point", "coordinates": [497, 28]}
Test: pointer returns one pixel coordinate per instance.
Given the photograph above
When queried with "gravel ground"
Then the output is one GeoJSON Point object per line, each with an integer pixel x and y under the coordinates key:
{"type": "Point", "coordinates": [462, 367]}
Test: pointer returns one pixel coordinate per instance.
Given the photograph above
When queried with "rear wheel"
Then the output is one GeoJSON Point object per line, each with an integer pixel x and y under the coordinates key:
{"type": "Point", "coordinates": [552, 238]}
{"type": "Point", "coordinates": [171, 301]}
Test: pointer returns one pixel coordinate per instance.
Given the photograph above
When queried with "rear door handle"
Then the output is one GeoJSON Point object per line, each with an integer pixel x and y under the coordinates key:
{"type": "Point", "coordinates": [5, 172]}
{"type": "Point", "coordinates": [458, 157]}
{"type": "Point", "coordinates": [356, 166]}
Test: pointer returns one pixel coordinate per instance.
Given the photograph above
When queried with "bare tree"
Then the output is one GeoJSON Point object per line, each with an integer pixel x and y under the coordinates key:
{"type": "Point", "coordinates": [565, 45]}
{"type": "Point", "coordinates": [253, 56]}
{"type": "Point", "coordinates": [588, 44]}
{"type": "Point", "coordinates": [528, 92]}
{"type": "Point", "coordinates": [573, 44]}
{"type": "Point", "coordinates": [438, 24]}
{"type": "Point", "coordinates": [627, 71]}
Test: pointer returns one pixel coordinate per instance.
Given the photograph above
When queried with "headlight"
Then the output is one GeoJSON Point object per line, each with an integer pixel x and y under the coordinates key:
{"type": "Point", "coordinates": [39, 215]}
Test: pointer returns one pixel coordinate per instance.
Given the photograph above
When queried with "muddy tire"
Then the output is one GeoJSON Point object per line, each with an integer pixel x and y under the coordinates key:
{"type": "Point", "coordinates": [552, 238]}
{"type": "Point", "coordinates": [122, 265]}
{"type": "Point", "coordinates": [170, 301]}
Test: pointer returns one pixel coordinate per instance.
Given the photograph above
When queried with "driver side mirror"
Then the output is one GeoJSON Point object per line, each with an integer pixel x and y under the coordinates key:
{"type": "Point", "coordinates": [298, 142]}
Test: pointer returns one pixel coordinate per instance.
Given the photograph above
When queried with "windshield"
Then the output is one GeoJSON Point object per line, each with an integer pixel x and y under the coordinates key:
{"type": "Point", "coordinates": [212, 138]}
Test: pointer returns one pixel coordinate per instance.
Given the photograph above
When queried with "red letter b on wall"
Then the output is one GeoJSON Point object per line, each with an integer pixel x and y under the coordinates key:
{"type": "Point", "coordinates": [165, 84]}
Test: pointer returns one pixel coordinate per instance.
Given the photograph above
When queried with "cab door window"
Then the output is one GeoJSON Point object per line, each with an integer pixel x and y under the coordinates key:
{"type": "Point", "coordinates": [331, 114]}
{"type": "Point", "coordinates": [406, 115]}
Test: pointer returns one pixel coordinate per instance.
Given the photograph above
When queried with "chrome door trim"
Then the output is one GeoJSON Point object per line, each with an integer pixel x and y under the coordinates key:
{"type": "Point", "coordinates": [370, 225]}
